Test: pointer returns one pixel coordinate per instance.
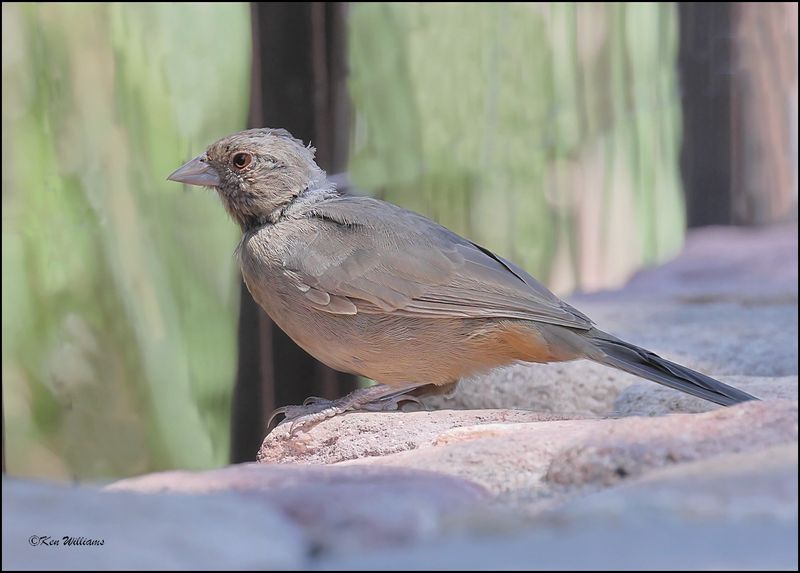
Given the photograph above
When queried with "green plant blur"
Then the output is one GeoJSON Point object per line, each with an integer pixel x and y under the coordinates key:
{"type": "Point", "coordinates": [549, 132]}
{"type": "Point", "coordinates": [119, 290]}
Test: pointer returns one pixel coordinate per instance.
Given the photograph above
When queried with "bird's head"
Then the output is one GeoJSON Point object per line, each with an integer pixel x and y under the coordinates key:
{"type": "Point", "coordinates": [256, 173]}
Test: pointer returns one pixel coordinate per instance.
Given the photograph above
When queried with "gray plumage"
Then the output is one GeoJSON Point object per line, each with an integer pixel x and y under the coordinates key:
{"type": "Point", "coordinates": [373, 289]}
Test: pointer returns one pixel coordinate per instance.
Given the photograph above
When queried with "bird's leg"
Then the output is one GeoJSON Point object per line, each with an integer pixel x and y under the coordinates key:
{"type": "Point", "coordinates": [378, 398]}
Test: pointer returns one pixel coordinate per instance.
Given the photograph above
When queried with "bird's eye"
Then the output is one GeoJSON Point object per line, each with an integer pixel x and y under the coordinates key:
{"type": "Point", "coordinates": [242, 160]}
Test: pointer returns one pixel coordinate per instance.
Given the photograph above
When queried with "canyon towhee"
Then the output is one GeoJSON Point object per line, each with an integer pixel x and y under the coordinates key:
{"type": "Point", "coordinates": [372, 289]}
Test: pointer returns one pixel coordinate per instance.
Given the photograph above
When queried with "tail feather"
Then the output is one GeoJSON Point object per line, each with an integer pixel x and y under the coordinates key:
{"type": "Point", "coordinates": [646, 364]}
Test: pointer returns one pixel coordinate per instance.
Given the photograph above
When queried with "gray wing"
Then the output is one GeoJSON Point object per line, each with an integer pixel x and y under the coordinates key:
{"type": "Point", "coordinates": [362, 255]}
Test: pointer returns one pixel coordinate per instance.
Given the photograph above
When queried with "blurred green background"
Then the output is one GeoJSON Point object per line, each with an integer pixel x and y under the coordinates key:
{"type": "Point", "coordinates": [547, 132]}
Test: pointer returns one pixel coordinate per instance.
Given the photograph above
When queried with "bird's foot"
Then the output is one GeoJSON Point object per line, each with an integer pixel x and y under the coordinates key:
{"type": "Point", "coordinates": [379, 398]}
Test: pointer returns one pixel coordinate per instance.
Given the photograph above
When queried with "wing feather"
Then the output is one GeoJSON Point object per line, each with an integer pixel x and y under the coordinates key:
{"type": "Point", "coordinates": [367, 256]}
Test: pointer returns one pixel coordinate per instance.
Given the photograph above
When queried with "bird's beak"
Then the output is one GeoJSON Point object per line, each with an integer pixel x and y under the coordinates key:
{"type": "Point", "coordinates": [196, 172]}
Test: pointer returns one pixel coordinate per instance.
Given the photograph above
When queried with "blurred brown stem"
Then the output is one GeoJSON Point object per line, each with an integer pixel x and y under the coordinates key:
{"type": "Point", "coordinates": [298, 83]}
{"type": "Point", "coordinates": [738, 70]}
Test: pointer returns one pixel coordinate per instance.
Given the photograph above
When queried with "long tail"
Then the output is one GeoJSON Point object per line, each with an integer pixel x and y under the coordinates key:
{"type": "Point", "coordinates": [644, 363]}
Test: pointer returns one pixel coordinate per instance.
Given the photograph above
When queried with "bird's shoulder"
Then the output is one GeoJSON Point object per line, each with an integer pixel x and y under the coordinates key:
{"type": "Point", "coordinates": [350, 212]}
{"type": "Point", "coordinates": [368, 255]}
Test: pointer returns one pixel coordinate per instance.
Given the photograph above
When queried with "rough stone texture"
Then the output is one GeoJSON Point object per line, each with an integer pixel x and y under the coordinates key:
{"type": "Point", "coordinates": [665, 543]}
{"type": "Point", "coordinates": [530, 463]}
{"type": "Point", "coordinates": [339, 508]}
{"type": "Point", "coordinates": [646, 399]}
{"type": "Point", "coordinates": [250, 516]}
{"type": "Point", "coordinates": [361, 435]}
{"type": "Point", "coordinates": [581, 387]}
{"type": "Point", "coordinates": [633, 446]}
{"type": "Point", "coordinates": [220, 531]}
{"type": "Point", "coordinates": [732, 512]}
{"type": "Point", "coordinates": [758, 484]}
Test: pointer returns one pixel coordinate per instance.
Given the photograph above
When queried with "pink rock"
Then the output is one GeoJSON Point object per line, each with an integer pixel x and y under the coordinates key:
{"type": "Point", "coordinates": [646, 399]}
{"type": "Point", "coordinates": [361, 435]}
{"type": "Point", "coordinates": [340, 508]}
{"type": "Point", "coordinates": [529, 462]}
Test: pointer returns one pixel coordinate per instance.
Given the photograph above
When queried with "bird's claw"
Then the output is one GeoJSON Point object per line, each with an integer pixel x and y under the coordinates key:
{"type": "Point", "coordinates": [315, 410]}
{"type": "Point", "coordinates": [293, 412]}
{"type": "Point", "coordinates": [277, 412]}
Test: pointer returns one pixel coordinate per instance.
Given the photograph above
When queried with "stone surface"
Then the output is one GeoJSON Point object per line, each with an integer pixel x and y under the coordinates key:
{"type": "Point", "coordinates": [250, 516]}
{"type": "Point", "coordinates": [647, 399]}
{"type": "Point", "coordinates": [731, 512]}
{"type": "Point", "coordinates": [581, 387]}
{"type": "Point", "coordinates": [160, 531]}
{"type": "Point", "coordinates": [753, 485]}
{"type": "Point", "coordinates": [667, 543]}
{"type": "Point", "coordinates": [528, 464]}
{"type": "Point", "coordinates": [361, 435]}
{"type": "Point", "coordinates": [340, 509]}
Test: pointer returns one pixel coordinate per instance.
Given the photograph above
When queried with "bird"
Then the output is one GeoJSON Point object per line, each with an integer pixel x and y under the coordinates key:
{"type": "Point", "coordinates": [375, 290]}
